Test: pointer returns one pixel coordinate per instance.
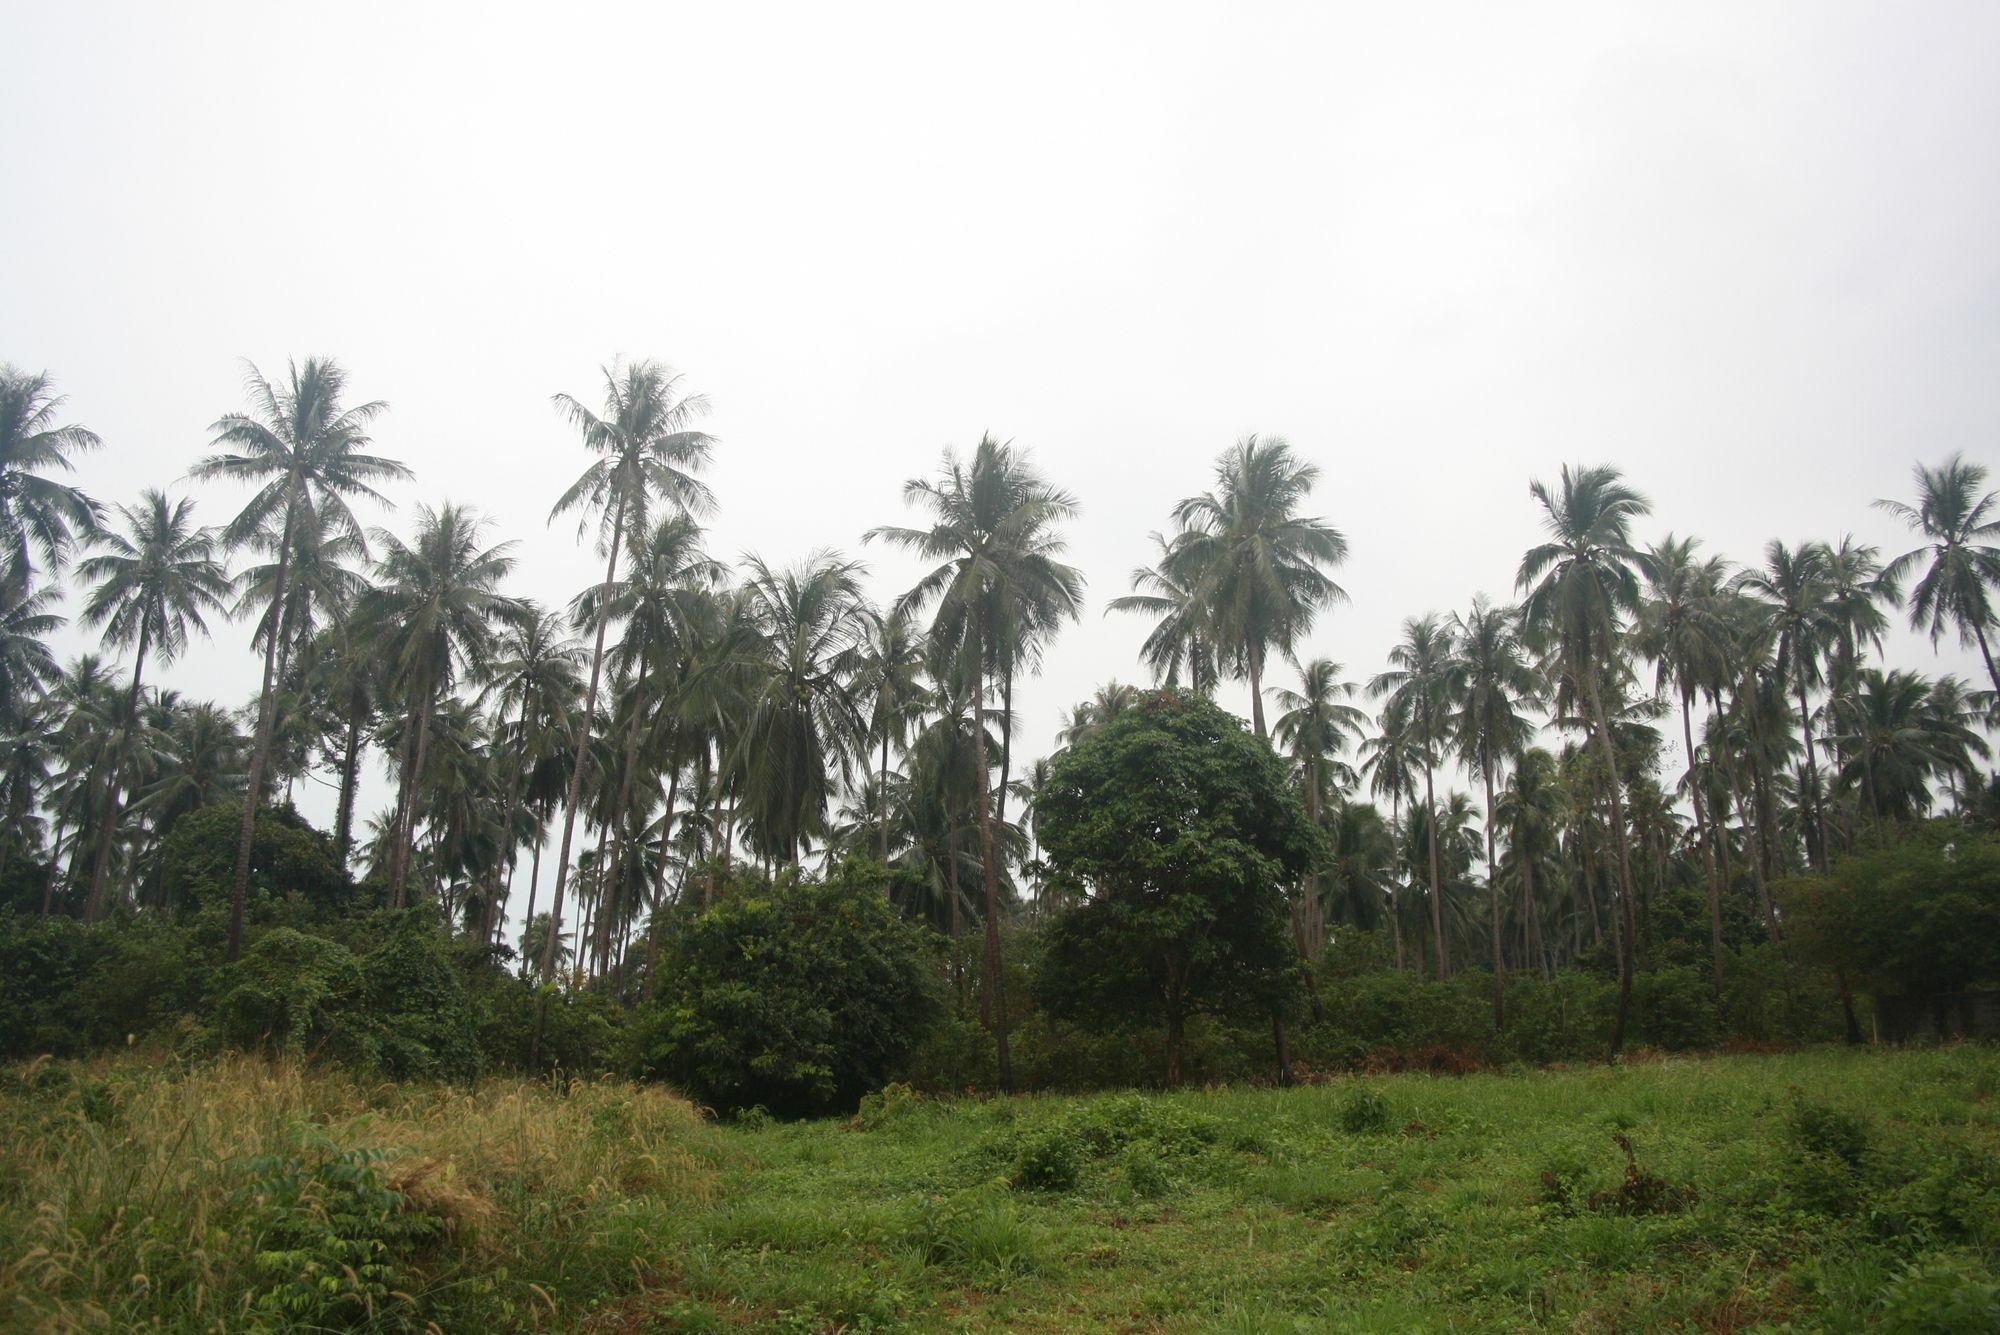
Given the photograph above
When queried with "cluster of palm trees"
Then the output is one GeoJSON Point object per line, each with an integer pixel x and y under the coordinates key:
{"type": "Point", "coordinates": [1806, 747]}
{"type": "Point", "coordinates": [683, 713]}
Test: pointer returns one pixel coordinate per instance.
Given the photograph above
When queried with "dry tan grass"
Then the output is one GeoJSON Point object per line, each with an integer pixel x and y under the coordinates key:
{"type": "Point", "coordinates": [105, 1218]}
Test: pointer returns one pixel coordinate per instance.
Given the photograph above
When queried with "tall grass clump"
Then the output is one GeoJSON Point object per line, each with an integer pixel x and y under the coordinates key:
{"type": "Point", "coordinates": [248, 1194]}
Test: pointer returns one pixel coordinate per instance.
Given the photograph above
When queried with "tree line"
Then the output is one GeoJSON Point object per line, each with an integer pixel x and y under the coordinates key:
{"type": "Point", "coordinates": [682, 715]}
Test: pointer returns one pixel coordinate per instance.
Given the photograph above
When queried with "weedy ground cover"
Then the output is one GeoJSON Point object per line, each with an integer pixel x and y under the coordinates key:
{"type": "Point", "coordinates": [1824, 1190]}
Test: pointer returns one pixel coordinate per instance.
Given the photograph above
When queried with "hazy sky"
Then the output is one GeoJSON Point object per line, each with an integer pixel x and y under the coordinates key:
{"type": "Point", "coordinates": [1749, 253]}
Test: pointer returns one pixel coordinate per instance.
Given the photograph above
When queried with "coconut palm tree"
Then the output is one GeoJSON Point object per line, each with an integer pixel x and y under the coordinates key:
{"type": "Point", "coordinates": [38, 515]}
{"type": "Point", "coordinates": [1317, 725]}
{"type": "Point", "coordinates": [151, 584]}
{"type": "Point", "coordinates": [535, 675]}
{"type": "Point", "coordinates": [1182, 640]}
{"type": "Point", "coordinates": [1394, 756]}
{"type": "Point", "coordinates": [1257, 567]}
{"type": "Point", "coordinates": [1529, 810]}
{"type": "Point", "coordinates": [431, 614]}
{"type": "Point", "coordinates": [994, 538]}
{"type": "Point", "coordinates": [1899, 741]}
{"type": "Point", "coordinates": [1422, 681]}
{"type": "Point", "coordinates": [1798, 598]}
{"type": "Point", "coordinates": [804, 723]}
{"type": "Point", "coordinates": [1960, 558]}
{"type": "Point", "coordinates": [26, 664]}
{"type": "Point", "coordinates": [1579, 587]}
{"type": "Point", "coordinates": [1489, 685]}
{"type": "Point", "coordinates": [890, 679]}
{"type": "Point", "coordinates": [648, 454]}
{"type": "Point", "coordinates": [201, 764]}
{"type": "Point", "coordinates": [1684, 629]}
{"type": "Point", "coordinates": [304, 452]}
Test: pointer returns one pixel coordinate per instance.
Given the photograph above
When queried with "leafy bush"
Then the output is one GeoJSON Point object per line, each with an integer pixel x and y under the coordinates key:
{"type": "Point", "coordinates": [1048, 1160]}
{"type": "Point", "coordinates": [799, 999]}
{"type": "Point", "coordinates": [1364, 1112]}
{"type": "Point", "coordinates": [288, 858]}
{"type": "Point", "coordinates": [290, 993]}
{"type": "Point", "coordinates": [415, 1006]}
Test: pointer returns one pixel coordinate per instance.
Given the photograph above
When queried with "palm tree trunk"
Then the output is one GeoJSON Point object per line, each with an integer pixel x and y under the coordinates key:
{"type": "Point", "coordinates": [625, 780]}
{"type": "Point", "coordinates": [1979, 634]}
{"type": "Point", "coordinates": [1256, 657]}
{"type": "Point", "coordinates": [989, 861]}
{"type": "Point", "coordinates": [1437, 876]}
{"type": "Point", "coordinates": [1395, 905]}
{"type": "Point", "coordinates": [406, 838]}
{"type": "Point", "coordinates": [260, 750]}
{"type": "Point", "coordinates": [1757, 869]}
{"type": "Point", "coordinates": [534, 884]}
{"type": "Point", "coordinates": [1707, 844]}
{"type": "Point", "coordinates": [350, 783]}
{"type": "Point", "coordinates": [583, 738]}
{"type": "Point", "coordinates": [1493, 902]}
{"type": "Point", "coordinates": [1625, 941]}
{"type": "Point", "coordinates": [1006, 739]}
{"type": "Point", "coordinates": [1532, 912]}
{"type": "Point", "coordinates": [55, 857]}
{"type": "Point", "coordinates": [93, 904]}
{"type": "Point", "coordinates": [882, 792]}
{"type": "Point", "coordinates": [1815, 830]}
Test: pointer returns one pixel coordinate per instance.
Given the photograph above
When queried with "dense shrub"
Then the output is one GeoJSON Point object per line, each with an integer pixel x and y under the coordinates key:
{"type": "Point", "coordinates": [288, 858]}
{"type": "Point", "coordinates": [67, 989]}
{"type": "Point", "coordinates": [798, 999]}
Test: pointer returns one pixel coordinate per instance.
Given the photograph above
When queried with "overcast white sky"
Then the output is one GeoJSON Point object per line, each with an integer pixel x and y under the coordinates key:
{"type": "Point", "coordinates": [1749, 253]}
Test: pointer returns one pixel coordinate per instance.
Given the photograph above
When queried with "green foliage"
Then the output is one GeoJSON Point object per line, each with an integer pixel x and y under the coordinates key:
{"type": "Point", "coordinates": [288, 858]}
{"type": "Point", "coordinates": [329, 1238]}
{"type": "Point", "coordinates": [1182, 830]}
{"type": "Point", "coordinates": [1921, 916]}
{"type": "Point", "coordinates": [291, 993]}
{"type": "Point", "coordinates": [1364, 1112]}
{"type": "Point", "coordinates": [417, 1011]}
{"type": "Point", "coordinates": [799, 999]}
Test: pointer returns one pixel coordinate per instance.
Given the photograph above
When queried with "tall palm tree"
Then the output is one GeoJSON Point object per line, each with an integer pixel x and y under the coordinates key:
{"type": "Point", "coordinates": [1394, 755]}
{"type": "Point", "coordinates": [890, 678]}
{"type": "Point", "coordinates": [1899, 740]}
{"type": "Point", "coordinates": [1257, 565]}
{"type": "Point", "coordinates": [1422, 681]}
{"type": "Point", "coordinates": [1182, 640]}
{"type": "Point", "coordinates": [648, 454]}
{"type": "Point", "coordinates": [37, 513]}
{"type": "Point", "coordinates": [536, 675]}
{"type": "Point", "coordinates": [27, 665]}
{"type": "Point", "coordinates": [1491, 682]}
{"type": "Point", "coordinates": [1578, 589]}
{"type": "Point", "coordinates": [201, 764]}
{"type": "Point", "coordinates": [993, 536]}
{"type": "Point", "coordinates": [1684, 629]}
{"type": "Point", "coordinates": [1317, 725]}
{"type": "Point", "coordinates": [152, 583]}
{"type": "Point", "coordinates": [1961, 532]}
{"type": "Point", "coordinates": [301, 449]}
{"type": "Point", "coordinates": [804, 723]}
{"type": "Point", "coordinates": [431, 614]}
{"type": "Point", "coordinates": [1798, 598]}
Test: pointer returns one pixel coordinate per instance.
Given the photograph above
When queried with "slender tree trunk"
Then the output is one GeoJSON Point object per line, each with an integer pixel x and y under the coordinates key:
{"type": "Point", "coordinates": [1815, 831]}
{"type": "Point", "coordinates": [956, 926]}
{"type": "Point", "coordinates": [55, 857]}
{"type": "Point", "coordinates": [260, 750]}
{"type": "Point", "coordinates": [1532, 912]}
{"type": "Point", "coordinates": [1493, 902]}
{"type": "Point", "coordinates": [1006, 740]}
{"type": "Point", "coordinates": [621, 807]}
{"type": "Point", "coordinates": [990, 863]}
{"type": "Point", "coordinates": [1757, 870]}
{"type": "Point", "coordinates": [406, 838]}
{"type": "Point", "coordinates": [1176, 1041]}
{"type": "Point", "coordinates": [882, 792]}
{"type": "Point", "coordinates": [1707, 845]}
{"type": "Point", "coordinates": [350, 783]}
{"type": "Point", "coordinates": [1256, 656]}
{"type": "Point", "coordinates": [1625, 941]}
{"type": "Point", "coordinates": [93, 904]}
{"type": "Point", "coordinates": [1437, 876]}
{"type": "Point", "coordinates": [1979, 633]}
{"type": "Point", "coordinates": [1395, 903]}
{"type": "Point", "coordinates": [534, 884]}
{"type": "Point", "coordinates": [583, 737]}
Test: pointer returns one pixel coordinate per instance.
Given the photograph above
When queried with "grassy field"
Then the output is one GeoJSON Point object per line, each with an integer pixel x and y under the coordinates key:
{"type": "Point", "coordinates": [1827, 1190]}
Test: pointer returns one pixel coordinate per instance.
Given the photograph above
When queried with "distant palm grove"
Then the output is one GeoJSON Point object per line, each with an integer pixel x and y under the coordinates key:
{"type": "Point", "coordinates": [719, 822]}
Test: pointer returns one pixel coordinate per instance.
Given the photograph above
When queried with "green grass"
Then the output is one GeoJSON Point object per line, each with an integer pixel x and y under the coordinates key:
{"type": "Point", "coordinates": [1825, 1190]}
